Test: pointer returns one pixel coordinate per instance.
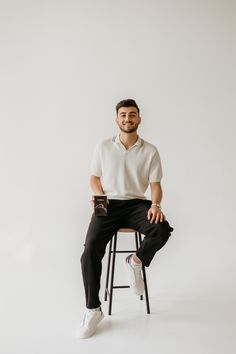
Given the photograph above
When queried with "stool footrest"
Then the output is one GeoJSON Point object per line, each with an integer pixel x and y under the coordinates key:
{"type": "Point", "coordinates": [134, 251]}
{"type": "Point", "coordinates": [120, 286]}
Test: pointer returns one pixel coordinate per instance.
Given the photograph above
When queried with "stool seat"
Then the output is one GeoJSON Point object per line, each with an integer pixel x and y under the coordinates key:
{"type": "Point", "coordinates": [111, 266]}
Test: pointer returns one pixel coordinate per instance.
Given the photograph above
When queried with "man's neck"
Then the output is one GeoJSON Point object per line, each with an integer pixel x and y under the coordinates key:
{"type": "Point", "coordinates": [128, 140]}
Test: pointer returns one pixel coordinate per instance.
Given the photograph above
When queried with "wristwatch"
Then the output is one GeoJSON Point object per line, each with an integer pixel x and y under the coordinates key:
{"type": "Point", "coordinates": [157, 205]}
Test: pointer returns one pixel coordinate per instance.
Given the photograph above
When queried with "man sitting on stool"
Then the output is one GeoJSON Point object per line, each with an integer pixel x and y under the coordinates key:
{"type": "Point", "coordinates": [122, 168]}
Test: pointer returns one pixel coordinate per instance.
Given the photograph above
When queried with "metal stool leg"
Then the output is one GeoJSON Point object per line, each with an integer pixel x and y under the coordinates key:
{"type": "Point", "coordinates": [112, 273]}
{"type": "Point", "coordinates": [144, 279]}
{"type": "Point", "coordinates": [137, 246]}
{"type": "Point", "coordinates": [108, 270]}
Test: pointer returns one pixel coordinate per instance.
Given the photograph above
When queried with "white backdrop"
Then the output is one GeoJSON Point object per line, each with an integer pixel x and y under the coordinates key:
{"type": "Point", "coordinates": [64, 66]}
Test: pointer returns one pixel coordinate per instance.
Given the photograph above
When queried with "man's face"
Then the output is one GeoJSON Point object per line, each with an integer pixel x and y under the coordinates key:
{"type": "Point", "coordinates": [128, 119]}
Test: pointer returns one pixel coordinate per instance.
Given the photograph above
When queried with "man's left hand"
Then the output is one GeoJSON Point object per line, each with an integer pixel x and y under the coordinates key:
{"type": "Point", "coordinates": [155, 214]}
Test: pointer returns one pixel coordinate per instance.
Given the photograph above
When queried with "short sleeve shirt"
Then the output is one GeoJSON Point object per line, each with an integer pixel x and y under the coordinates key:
{"type": "Point", "coordinates": [126, 174]}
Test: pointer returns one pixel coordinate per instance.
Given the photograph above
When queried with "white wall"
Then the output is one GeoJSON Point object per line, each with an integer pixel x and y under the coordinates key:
{"type": "Point", "coordinates": [64, 66]}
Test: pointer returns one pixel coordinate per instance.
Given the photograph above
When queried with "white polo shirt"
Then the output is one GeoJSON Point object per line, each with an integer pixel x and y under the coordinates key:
{"type": "Point", "coordinates": [126, 174]}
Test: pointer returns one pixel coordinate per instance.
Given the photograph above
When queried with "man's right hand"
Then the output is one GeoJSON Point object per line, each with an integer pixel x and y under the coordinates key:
{"type": "Point", "coordinates": [92, 201]}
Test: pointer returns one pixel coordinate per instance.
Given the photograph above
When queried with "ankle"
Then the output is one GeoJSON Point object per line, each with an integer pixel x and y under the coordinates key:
{"type": "Point", "coordinates": [135, 260]}
{"type": "Point", "coordinates": [96, 309]}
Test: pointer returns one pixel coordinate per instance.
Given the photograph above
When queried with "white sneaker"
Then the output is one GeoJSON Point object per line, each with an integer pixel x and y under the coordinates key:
{"type": "Point", "coordinates": [135, 278]}
{"type": "Point", "coordinates": [90, 322]}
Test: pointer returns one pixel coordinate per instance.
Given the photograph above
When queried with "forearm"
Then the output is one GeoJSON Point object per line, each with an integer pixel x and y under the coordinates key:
{"type": "Point", "coordinates": [156, 192]}
{"type": "Point", "coordinates": [155, 213]}
{"type": "Point", "coordinates": [96, 186]}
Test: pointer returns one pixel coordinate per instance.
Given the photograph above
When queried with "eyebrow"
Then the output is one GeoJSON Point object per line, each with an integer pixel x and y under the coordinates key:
{"type": "Point", "coordinates": [128, 112]}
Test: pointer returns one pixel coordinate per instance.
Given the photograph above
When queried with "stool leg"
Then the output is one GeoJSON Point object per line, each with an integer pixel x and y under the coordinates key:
{"type": "Point", "coordinates": [108, 270]}
{"type": "Point", "coordinates": [112, 274]}
{"type": "Point", "coordinates": [137, 246]}
{"type": "Point", "coordinates": [144, 279]}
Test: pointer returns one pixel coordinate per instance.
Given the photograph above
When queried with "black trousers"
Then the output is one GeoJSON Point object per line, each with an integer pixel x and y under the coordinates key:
{"type": "Point", "coordinates": [121, 213]}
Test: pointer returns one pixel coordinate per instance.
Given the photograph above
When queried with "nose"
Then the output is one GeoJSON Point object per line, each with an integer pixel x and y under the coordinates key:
{"type": "Point", "coordinates": [127, 118]}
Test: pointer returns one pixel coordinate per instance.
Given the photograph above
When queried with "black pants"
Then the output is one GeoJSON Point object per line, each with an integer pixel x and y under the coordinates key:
{"type": "Point", "coordinates": [121, 213]}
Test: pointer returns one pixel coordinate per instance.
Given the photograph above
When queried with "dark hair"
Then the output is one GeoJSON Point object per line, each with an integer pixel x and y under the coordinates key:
{"type": "Point", "coordinates": [126, 103]}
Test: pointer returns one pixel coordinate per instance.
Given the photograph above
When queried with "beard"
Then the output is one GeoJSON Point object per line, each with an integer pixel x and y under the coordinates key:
{"type": "Point", "coordinates": [130, 130]}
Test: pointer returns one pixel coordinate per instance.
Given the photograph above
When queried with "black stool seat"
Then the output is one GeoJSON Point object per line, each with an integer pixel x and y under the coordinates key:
{"type": "Point", "coordinates": [111, 267]}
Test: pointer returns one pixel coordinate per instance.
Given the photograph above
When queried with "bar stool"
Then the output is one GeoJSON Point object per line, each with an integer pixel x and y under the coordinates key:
{"type": "Point", "coordinates": [111, 268]}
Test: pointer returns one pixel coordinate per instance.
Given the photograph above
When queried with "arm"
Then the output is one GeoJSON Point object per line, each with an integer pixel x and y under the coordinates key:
{"type": "Point", "coordinates": [156, 192]}
{"type": "Point", "coordinates": [155, 213]}
{"type": "Point", "coordinates": [95, 184]}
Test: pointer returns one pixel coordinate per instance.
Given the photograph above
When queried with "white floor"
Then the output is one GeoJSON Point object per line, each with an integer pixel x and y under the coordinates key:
{"type": "Point", "coordinates": [192, 312]}
{"type": "Point", "coordinates": [175, 325]}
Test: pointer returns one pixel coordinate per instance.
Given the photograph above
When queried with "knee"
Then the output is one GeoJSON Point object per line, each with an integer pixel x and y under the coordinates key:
{"type": "Point", "coordinates": [89, 247]}
{"type": "Point", "coordinates": [163, 230]}
{"type": "Point", "coordinates": [92, 248]}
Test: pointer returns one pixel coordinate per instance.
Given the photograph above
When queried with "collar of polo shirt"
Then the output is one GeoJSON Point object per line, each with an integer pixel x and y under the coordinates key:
{"type": "Point", "coordinates": [116, 139]}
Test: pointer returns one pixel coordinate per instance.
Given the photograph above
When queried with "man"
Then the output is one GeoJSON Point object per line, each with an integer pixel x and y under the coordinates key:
{"type": "Point", "coordinates": [122, 168]}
